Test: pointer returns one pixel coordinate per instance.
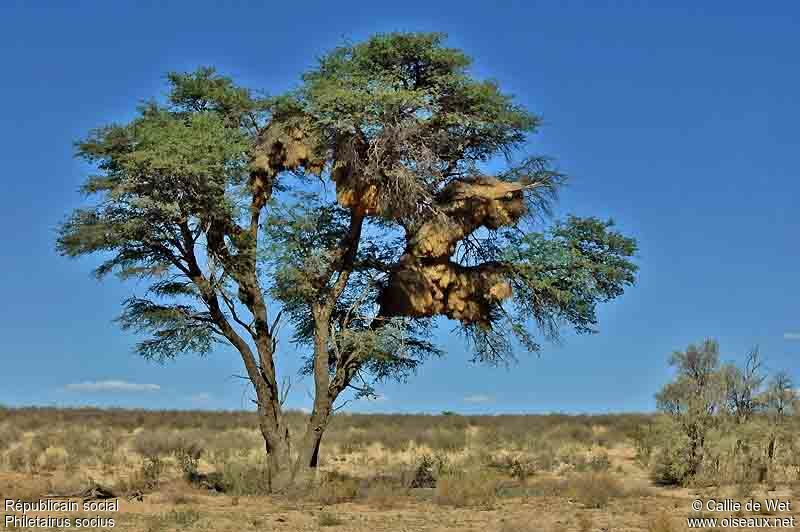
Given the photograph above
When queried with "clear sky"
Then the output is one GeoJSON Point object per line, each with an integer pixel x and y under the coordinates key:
{"type": "Point", "coordinates": [677, 119]}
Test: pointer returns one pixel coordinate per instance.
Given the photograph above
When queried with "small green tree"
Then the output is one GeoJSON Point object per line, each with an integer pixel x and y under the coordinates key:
{"type": "Point", "coordinates": [220, 199]}
{"type": "Point", "coordinates": [742, 387]}
{"type": "Point", "coordinates": [721, 421]}
{"type": "Point", "coordinates": [692, 401]}
{"type": "Point", "coordinates": [780, 402]}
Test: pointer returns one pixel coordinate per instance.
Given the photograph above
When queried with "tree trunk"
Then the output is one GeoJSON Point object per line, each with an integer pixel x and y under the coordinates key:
{"type": "Point", "coordinates": [308, 452]}
{"type": "Point", "coordinates": [277, 445]}
{"type": "Point", "coordinates": [315, 457]}
{"type": "Point", "coordinates": [278, 466]}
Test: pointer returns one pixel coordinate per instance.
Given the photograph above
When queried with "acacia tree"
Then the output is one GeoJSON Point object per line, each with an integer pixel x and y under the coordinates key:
{"type": "Point", "coordinates": [223, 201]}
{"type": "Point", "coordinates": [742, 386]}
{"type": "Point", "coordinates": [721, 419]}
{"type": "Point", "coordinates": [694, 400]}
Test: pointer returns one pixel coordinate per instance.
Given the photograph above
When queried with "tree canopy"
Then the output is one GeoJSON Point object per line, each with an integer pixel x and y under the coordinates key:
{"type": "Point", "coordinates": [359, 203]}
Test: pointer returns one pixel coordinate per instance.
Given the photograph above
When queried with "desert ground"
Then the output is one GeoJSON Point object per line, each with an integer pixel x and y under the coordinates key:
{"type": "Point", "coordinates": [204, 471]}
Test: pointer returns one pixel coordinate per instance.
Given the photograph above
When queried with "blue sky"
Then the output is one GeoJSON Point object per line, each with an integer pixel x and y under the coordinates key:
{"type": "Point", "coordinates": [677, 119]}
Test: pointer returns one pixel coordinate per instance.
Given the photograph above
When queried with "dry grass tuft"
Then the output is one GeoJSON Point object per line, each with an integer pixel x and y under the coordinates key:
{"type": "Point", "coordinates": [328, 519]}
{"type": "Point", "coordinates": [660, 523]}
{"type": "Point", "coordinates": [594, 490]}
{"type": "Point", "coordinates": [584, 522]}
{"type": "Point", "coordinates": [467, 489]}
{"type": "Point", "coordinates": [173, 520]}
{"type": "Point", "coordinates": [336, 488]}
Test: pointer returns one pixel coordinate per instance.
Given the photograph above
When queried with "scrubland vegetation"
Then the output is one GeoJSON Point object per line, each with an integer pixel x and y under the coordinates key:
{"type": "Point", "coordinates": [207, 471]}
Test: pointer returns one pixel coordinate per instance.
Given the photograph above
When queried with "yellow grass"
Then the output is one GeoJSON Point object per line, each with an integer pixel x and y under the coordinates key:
{"type": "Point", "coordinates": [494, 473]}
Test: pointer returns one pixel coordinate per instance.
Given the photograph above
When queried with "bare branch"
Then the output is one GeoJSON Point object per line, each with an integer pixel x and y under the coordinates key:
{"type": "Point", "coordinates": [232, 309]}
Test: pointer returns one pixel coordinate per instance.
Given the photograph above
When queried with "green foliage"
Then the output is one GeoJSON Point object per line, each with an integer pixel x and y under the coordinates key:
{"type": "Point", "coordinates": [671, 464]}
{"type": "Point", "coordinates": [645, 439]}
{"type": "Point", "coordinates": [720, 424]}
{"type": "Point", "coordinates": [407, 75]}
{"type": "Point", "coordinates": [165, 178]}
{"type": "Point", "coordinates": [562, 277]}
{"type": "Point", "coordinates": [304, 240]}
{"type": "Point", "coordinates": [557, 278]}
{"type": "Point", "coordinates": [414, 102]}
{"type": "Point", "coordinates": [176, 328]}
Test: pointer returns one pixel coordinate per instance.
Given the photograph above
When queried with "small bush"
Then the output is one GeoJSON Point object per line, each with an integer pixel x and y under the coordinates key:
{"type": "Point", "coordinates": [9, 435]}
{"type": "Point", "coordinates": [428, 469]}
{"type": "Point", "coordinates": [644, 438]}
{"type": "Point", "coordinates": [188, 457]}
{"type": "Point", "coordinates": [594, 490]}
{"type": "Point", "coordinates": [466, 490]}
{"type": "Point", "coordinates": [336, 488]}
{"type": "Point", "coordinates": [517, 467]}
{"type": "Point", "coordinates": [669, 466]}
{"type": "Point", "coordinates": [54, 458]}
{"type": "Point", "coordinates": [17, 459]}
{"type": "Point", "coordinates": [327, 519]}
{"type": "Point", "coordinates": [599, 463]}
{"type": "Point", "coordinates": [151, 471]}
{"type": "Point", "coordinates": [108, 445]}
{"type": "Point", "coordinates": [571, 454]}
{"type": "Point", "coordinates": [246, 479]}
